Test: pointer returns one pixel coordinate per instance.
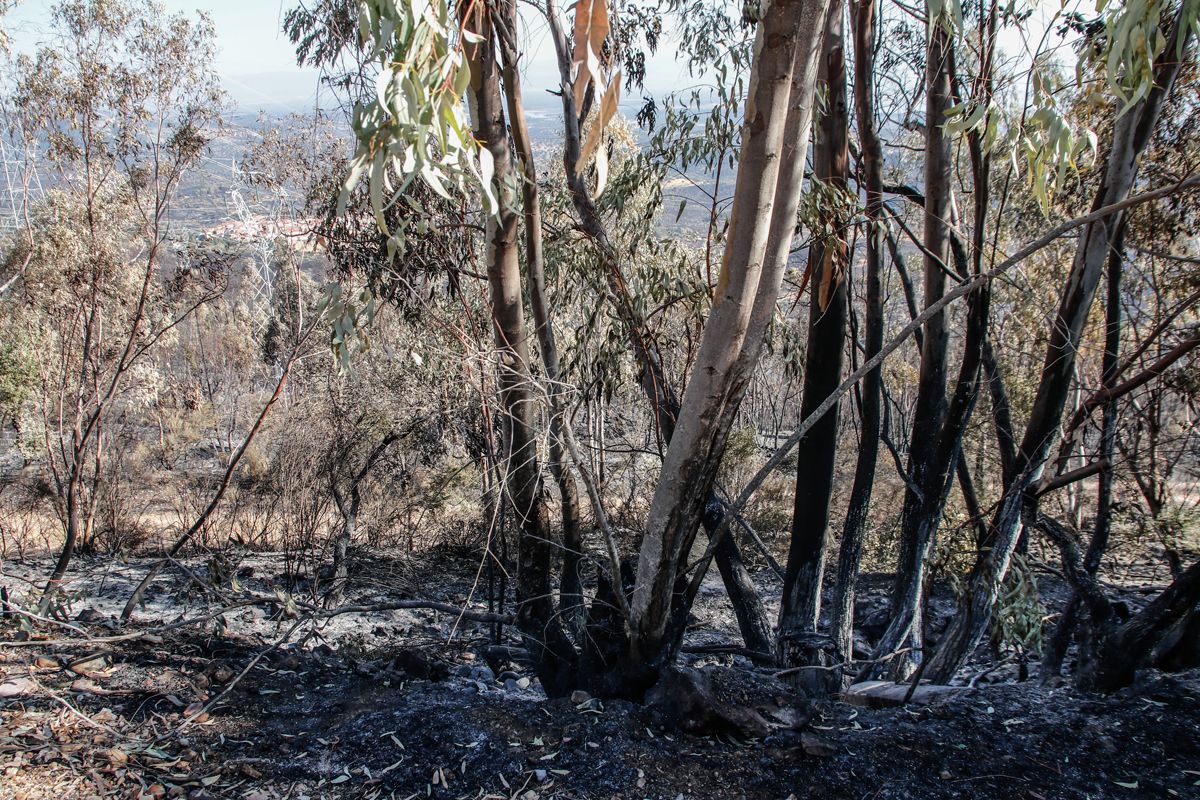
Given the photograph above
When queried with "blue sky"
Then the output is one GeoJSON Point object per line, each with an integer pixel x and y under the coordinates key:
{"type": "Point", "coordinates": [249, 30]}
{"type": "Point", "coordinates": [258, 66]}
{"type": "Point", "coordinates": [255, 60]}
{"type": "Point", "coordinates": [257, 63]}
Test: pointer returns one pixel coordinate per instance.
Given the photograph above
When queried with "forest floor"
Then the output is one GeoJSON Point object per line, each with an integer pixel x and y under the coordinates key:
{"type": "Point", "coordinates": [259, 703]}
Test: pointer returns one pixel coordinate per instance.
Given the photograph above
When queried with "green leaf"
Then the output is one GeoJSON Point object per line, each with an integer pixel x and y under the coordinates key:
{"type": "Point", "coordinates": [376, 190]}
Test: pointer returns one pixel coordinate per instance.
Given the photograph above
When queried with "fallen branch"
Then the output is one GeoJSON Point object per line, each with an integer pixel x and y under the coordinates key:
{"type": "Point", "coordinates": [402, 605]}
{"type": "Point", "coordinates": [832, 667]}
{"type": "Point", "coordinates": [726, 649]}
{"type": "Point", "coordinates": [133, 635]}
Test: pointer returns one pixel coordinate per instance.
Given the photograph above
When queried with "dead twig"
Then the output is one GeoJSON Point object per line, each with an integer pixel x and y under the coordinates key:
{"type": "Point", "coordinates": [211, 704]}
{"type": "Point", "coordinates": [831, 667]}
{"type": "Point", "coordinates": [401, 605]}
{"type": "Point", "coordinates": [127, 637]}
{"type": "Point", "coordinates": [53, 695]}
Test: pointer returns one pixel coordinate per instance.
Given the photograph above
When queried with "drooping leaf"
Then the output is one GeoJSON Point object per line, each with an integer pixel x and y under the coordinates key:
{"type": "Point", "coordinates": [601, 171]}
{"type": "Point", "coordinates": [608, 109]}
{"type": "Point", "coordinates": [591, 29]}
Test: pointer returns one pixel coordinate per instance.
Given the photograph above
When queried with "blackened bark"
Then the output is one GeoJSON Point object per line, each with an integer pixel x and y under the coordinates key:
{"type": "Point", "coordinates": [923, 491]}
{"type": "Point", "coordinates": [906, 284]}
{"type": "Point", "coordinates": [1128, 648]}
{"type": "Point", "coordinates": [1059, 641]}
{"type": "Point", "coordinates": [862, 20]}
{"type": "Point", "coordinates": [966, 485]}
{"type": "Point", "coordinates": [541, 627]}
{"type": "Point", "coordinates": [748, 607]}
{"type": "Point", "coordinates": [68, 549]}
{"type": "Point", "coordinates": [1006, 439]}
{"type": "Point", "coordinates": [1054, 651]}
{"type": "Point", "coordinates": [1180, 648]}
{"type": "Point", "coordinates": [1112, 648]}
{"type": "Point", "coordinates": [349, 508]}
{"type": "Point", "coordinates": [932, 464]}
{"type": "Point", "coordinates": [1131, 134]}
{"type": "Point", "coordinates": [801, 605]}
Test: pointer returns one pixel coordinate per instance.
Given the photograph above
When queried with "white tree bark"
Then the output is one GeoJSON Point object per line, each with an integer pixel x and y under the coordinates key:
{"type": "Point", "coordinates": [774, 142]}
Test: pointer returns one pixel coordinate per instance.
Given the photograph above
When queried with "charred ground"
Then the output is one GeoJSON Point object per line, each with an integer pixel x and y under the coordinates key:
{"type": "Point", "coordinates": [418, 703]}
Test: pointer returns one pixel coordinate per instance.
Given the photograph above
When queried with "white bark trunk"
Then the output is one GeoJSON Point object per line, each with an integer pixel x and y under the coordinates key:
{"type": "Point", "coordinates": [774, 143]}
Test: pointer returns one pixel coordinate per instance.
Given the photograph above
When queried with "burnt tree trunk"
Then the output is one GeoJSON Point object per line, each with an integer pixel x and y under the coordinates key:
{"type": "Point", "coordinates": [929, 413]}
{"type": "Point", "coordinates": [536, 617]}
{"type": "Point", "coordinates": [862, 20]}
{"type": "Point", "coordinates": [1060, 638]}
{"type": "Point", "coordinates": [1006, 438]}
{"type": "Point", "coordinates": [1131, 134]}
{"type": "Point", "coordinates": [1113, 648]}
{"type": "Point", "coordinates": [966, 485]}
{"type": "Point", "coordinates": [68, 549]}
{"type": "Point", "coordinates": [933, 463]}
{"type": "Point", "coordinates": [799, 642]}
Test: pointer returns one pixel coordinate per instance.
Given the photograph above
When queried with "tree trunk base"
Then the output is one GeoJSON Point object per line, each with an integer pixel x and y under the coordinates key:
{"type": "Point", "coordinates": [712, 704]}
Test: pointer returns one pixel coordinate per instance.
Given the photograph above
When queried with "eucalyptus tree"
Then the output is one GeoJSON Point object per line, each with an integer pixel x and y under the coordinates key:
{"type": "Point", "coordinates": [766, 199]}
{"type": "Point", "coordinates": [930, 410]}
{"type": "Point", "coordinates": [124, 102]}
{"type": "Point", "coordinates": [417, 152]}
{"type": "Point", "coordinates": [1145, 433]}
{"type": "Point", "coordinates": [561, 434]}
{"type": "Point", "coordinates": [537, 616]}
{"type": "Point", "coordinates": [1141, 80]}
{"type": "Point", "coordinates": [940, 420]}
{"type": "Point", "coordinates": [404, 137]}
{"type": "Point", "coordinates": [864, 26]}
{"type": "Point", "coordinates": [828, 267]}
{"type": "Point", "coordinates": [582, 77]}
